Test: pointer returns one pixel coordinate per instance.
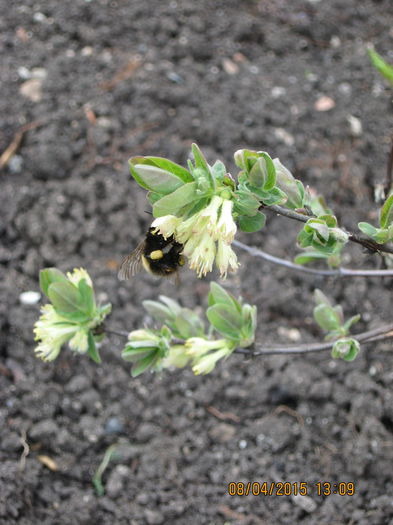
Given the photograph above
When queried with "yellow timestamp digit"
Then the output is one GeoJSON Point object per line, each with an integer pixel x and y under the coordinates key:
{"type": "Point", "coordinates": [325, 488]}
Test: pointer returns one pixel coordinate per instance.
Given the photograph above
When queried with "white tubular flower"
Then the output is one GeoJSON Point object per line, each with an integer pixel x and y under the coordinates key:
{"type": "Point", "coordinates": [166, 225]}
{"type": "Point", "coordinates": [77, 275]}
{"type": "Point", "coordinates": [207, 363]}
{"type": "Point", "coordinates": [79, 342]}
{"type": "Point", "coordinates": [202, 258]}
{"type": "Point", "coordinates": [177, 356]}
{"type": "Point", "coordinates": [226, 226]}
{"type": "Point", "coordinates": [187, 229]}
{"type": "Point", "coordinates": [52, 331]}
{"type": "Point", "coordinates": [191, 245]}
{"type": "Point", "coordinates": [198, 346]}
{"type": "Point", "coordinates": [209, 215]}
{"type": "Point", "coordinates": [226, 258]}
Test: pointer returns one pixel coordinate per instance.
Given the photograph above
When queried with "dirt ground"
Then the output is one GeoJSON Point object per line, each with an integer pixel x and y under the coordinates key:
{"type": "Point", "coordinates": [100, 81]}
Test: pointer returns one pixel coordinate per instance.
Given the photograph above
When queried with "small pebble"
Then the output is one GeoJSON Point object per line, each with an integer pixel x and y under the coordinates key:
{"type": "Point", "coordinates": [355, 126]}
{"type": "Point", "coordinates": [229, 66]}
{"type": "Point", "coordinates": [15, 164]}
{"type": "Point", "coordinates": [29, 298]}
{"type": "Point", "coordinates": [284, 136]}
{"type": "Point", "coordinates": [32, 89]}
{"type": "Point", "coordinates": [324, 103]}
{"type": "Point", "coordinates": [114, 426]}
{"type": "Point", "coordinates": [174, 77]}
{"type": "Point", "coordinates": [278, 91]}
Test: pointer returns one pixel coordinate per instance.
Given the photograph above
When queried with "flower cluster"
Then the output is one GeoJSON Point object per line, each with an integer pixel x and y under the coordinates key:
{"type": "Point", "coordinates": [207, 236]}
{"type": "Point", "coordinates": [72, 317]}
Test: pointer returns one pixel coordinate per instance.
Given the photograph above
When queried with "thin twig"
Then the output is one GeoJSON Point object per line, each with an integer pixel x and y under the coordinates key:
{"type": "Point", "coordinates": [367, 243]}
{"type": "Point", "coordinates": [370, 336]}
{"type": "Point", "coordinates": [121, 333]}
{"type": "Point", "coordinates": [26, 450]}
{"type": "Point", "coordinates": [12, 148]}
{"type": "Point", "coordinates": [378, 334]}
{"type": "Point", "coordinates": [340, 272]}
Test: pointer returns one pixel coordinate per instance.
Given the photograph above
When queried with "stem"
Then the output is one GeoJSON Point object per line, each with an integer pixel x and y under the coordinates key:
{"type": "Point", "coordinates": [367, 243]}
{"type": "Point", "coordinates": [377, 334]}
{"type": "Point", "coordinates": [121, 333]}
{"type": "Point", "coordinates": [340, 272]}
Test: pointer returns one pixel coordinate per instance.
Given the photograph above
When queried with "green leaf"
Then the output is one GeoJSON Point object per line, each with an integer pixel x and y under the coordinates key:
{"type": "Point", "coordinates": [319, 227]}
{"type": "Point", "coordinates": [351, 321]}
{"type": "Point", "coordinates": [273, 196]}
{"type": "Point", "coordinates": [263, 173]}
{"type": "Point", "coordinates": [245, 203]}
{"type": "Point", "coordinates": [156, 179]}
{"type": "Point", "coordinates": [225, 320]}
{"type": "Point", "coordinates": [188, 324]}
{"type": "Point", "coordinates": [105, 309]}
{"type": "Point", "coordinates": [218, 295]}
{"type": "Point", "coordinates": [144, 364]}
{"type": "Point", "coordinates": [218, 170]}
{"type": "Point", "coordinates": [383, 67]}
{"type": "Point", "coordinates": [321, 298]}
{"type": "Point", "coordinates": [200, 161]}
{"type": "Point", "coordinates": [249, 323]}
{"type": "Point", "coordinates": [136, 353]}
{"type": "Point", "coordinates": [318, 205]}
{"type": "Point", "coordinates": [386, 215]}
{"type": "Point", "coordinates": [164, 164]}
{"type": "Point", "coordinates": [158, 311]}
{"type": "Point", "coordinates": [153, 197]}
{"type": "Point", "coordinates": [173, 203]}
{"type": "Point", "coordinates": [87, 295]}
{"type": "Point", "coordinates": [270, 180]}
{"type": "Point", "coordinates": [194, 207]}
{"type": "Point", "coordinates": [329, 219]}
{"type": "Point", "coordinates": [367, 228]}
{"type": "Point", "coordinates": [67, 300]}
{"type": "Point", "coordinates": [252, 224]}
{"type": "Point", "coordinates": [172, 167]}
{"type": "Point", "coordinates": [49, 276]}
{"type": "Point", "coordinates": [310, 256]}
{"type": "Point", "coordinates": [326, 317]}
{"type": "Point", "coordinates": [174, 306]}
{"type": "Point", "coordinates": [92, 349]}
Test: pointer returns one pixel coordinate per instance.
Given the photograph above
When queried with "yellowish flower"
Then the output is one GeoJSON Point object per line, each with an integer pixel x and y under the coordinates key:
{"type": "Point", "coordinates": [52, 331]}
{"type": "Point", "coordinates": [226, 258]}
{"type": "Point", "coordinates": [202, 258]}
{"type": "Point", "coordinates": [77, 275]}
{"type": "Point", "coordinates": [166, 225]}
{"type": "Point", "coordinates": [198, 346]}
{"type": "Point", "coordinates": [206, 364]}
{"type": "Point", "coordinates": [177, 356]}
{"type": "Point", "coordinates": [226, 226]}
{"type": "Point", "coordinates": [79, 343]}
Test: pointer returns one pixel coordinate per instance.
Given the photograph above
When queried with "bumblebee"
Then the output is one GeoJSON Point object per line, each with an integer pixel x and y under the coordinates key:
{"type": "Point", "coordinates": [157, 255]}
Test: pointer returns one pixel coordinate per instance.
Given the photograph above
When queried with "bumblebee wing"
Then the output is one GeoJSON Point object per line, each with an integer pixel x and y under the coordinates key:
{"type": "Point", "coordinates": [132, 264]}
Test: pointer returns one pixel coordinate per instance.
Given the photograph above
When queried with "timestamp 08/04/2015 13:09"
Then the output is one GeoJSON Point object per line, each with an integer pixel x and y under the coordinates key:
{"type": "Point", "coordinates": [288, 488]}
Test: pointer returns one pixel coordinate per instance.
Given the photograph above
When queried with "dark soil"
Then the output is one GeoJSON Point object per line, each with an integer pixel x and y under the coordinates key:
{"type": "Point", "coordinates": [112, 79]}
